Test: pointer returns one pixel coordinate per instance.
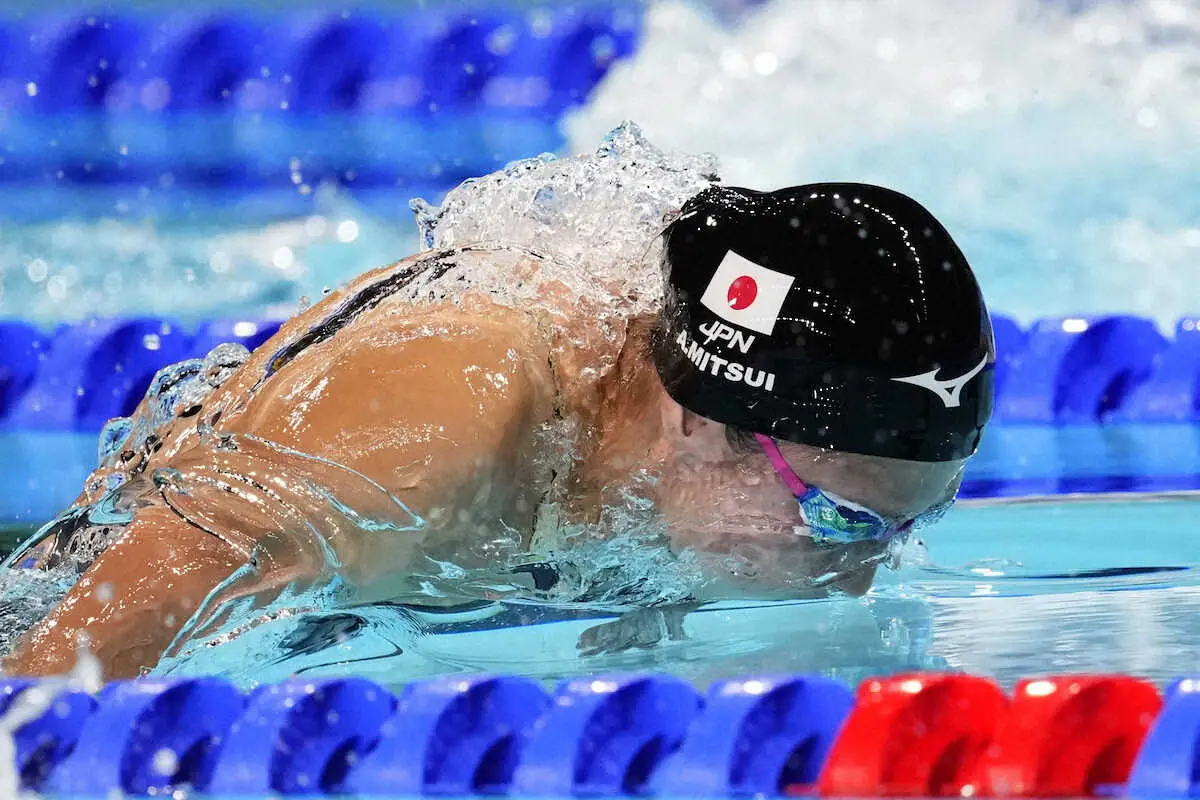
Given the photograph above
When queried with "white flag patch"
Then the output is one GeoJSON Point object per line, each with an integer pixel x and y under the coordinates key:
{"type": "Point", "coordinates": [746, 294]}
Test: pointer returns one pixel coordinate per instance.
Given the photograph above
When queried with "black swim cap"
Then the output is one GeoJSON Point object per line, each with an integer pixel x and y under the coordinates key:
{"type": "Point", "coordinates": [839, 315]}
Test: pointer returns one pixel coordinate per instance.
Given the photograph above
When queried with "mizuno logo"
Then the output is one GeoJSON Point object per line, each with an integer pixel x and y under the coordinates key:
{"type": "Point", "coordinates": [947, 391]}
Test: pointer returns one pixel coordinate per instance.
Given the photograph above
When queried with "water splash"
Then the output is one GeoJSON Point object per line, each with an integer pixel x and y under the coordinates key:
{"type": "Point", "coordinates": [174, 392]}
{"type": "Point", "coordinates": [29, 595]}
{"type": "Point", "coordinates": [598, 212]}
{"type": "Point", "coordinates": [1060, 148]}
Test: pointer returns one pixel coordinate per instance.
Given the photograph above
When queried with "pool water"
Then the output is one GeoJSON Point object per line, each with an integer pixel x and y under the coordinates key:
{"type": "Point", "coordinates": [1056, 140]}
{"type": "Point", "coordinates": [1091, 584]}
{"type": "Point", "coordinates": [1009, 589]}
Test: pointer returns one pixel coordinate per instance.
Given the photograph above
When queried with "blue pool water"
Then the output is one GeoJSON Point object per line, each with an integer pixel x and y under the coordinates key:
{"type": "Point", "coordinates": [1009, 590]}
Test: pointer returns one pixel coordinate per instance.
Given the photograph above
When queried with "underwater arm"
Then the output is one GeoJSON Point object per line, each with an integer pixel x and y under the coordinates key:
{"type": "Point", "coordinates": [132, 601]}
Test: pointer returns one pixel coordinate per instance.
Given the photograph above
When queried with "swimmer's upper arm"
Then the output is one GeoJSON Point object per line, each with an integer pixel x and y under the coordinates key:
{"type": "Point", "coordinates": [132, 600]}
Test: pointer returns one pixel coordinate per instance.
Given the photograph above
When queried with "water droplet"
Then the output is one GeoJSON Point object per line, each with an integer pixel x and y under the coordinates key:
{"type": "Point", "coordinates": [283, 258]}
{"type": "Point", "coordinates": [220, 261]}
{"type": "Point", "coordinates": [37, 270]}
{"type": "Point", "coordinates": [113, 437]}
{"type": "Point", "coordinates": [315, 226]}
{"type": "Point", "coordinates": [166, 761]}
{"type": "Point", "coordinates": [221, 362]}
{"type": "Point", "coordinates": [501, 40]}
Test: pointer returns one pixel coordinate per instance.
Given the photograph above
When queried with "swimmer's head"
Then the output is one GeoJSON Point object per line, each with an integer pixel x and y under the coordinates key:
{"type": "Point", "coordinates": [832, 351]}
{"type": "Point", "coordinates": [841, 316]}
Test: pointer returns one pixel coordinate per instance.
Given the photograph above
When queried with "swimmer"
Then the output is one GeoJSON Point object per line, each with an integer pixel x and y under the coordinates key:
{"type": "Point", "coordinates": [808, 393]}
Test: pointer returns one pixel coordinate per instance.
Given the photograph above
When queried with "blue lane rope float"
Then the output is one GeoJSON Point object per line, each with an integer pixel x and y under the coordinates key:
{"type": "Point", "coordinates": [42, 743]}
{"type": "Point", "coordinates": [1168, 764]}
{"type": "Point", "coordinates": [300, 737]}
{"type": "Point", "coordinates": [97, 370]}
{"type": "Point", "coordinates": [612, 735]}
{"type": "Point", "coordinates": [174, 110]}
{"type": "Point", "coordinates": [364, 98]}
{"type": "Point", "coordinates": [605, 735]}
{"type": "Point", "coordinates": [20, 361]}
{"type": "Point", "coordinates": [147, 736]}
{"type": "Point", "coordinates": [756, 736]}
{"type": "Point", "coordinates": [1078, 369]}
{"type": "Point", "coordinates": [457, 736]}
{"type": "Point", "coordinates": [1172, 392]}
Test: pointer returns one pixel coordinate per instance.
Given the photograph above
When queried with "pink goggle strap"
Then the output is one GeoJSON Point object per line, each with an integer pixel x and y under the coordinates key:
{"type": "Point", "coordinates": [790, 478]}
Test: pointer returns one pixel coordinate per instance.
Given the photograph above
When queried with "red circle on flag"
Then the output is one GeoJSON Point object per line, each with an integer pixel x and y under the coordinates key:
{"type": "Point", "coordinates": [742, 292]}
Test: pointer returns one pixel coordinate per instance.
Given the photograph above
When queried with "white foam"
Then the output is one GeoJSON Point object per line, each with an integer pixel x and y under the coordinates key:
{"type": "Point", "coordinates": [1059, 148]}
{"type": "Point", "coordinates": [597, 214]}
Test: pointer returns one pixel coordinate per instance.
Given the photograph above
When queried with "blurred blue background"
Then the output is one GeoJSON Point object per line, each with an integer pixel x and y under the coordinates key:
{"type": "Point", "coordinates": [406, 99]}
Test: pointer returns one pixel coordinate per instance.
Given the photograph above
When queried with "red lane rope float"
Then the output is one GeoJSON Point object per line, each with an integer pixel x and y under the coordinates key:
{"type": "Point", "coordinates": [913, 735]}
{"type": "Point", "coordinates": [1066, 737]}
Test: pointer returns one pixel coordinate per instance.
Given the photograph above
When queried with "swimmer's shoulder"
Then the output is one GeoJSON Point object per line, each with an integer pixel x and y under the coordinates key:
{"type": "Point", "coordinates": [366, 361]}
{"type": "Point", "coordinates": [381, 323]}
{"type": "Point", "coordinates": [380, 304]}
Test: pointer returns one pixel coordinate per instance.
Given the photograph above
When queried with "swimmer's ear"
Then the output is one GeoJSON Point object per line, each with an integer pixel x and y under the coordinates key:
{"type": "Point", "coordinates": [691, 422]}
{"type": "Point", "coordinates": [676, 417]}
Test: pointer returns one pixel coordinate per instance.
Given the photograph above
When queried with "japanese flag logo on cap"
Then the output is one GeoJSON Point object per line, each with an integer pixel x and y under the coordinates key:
{"type": "Point", "coordinates": [746, 294]}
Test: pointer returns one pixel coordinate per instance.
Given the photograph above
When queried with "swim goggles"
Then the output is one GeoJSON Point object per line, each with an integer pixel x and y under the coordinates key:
{"type": "Point", "coordinates": [835, 520]}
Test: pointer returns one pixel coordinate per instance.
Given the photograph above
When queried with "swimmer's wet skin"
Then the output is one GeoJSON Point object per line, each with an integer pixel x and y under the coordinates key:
{"type": "Point", "coordinates": [809, 392]}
